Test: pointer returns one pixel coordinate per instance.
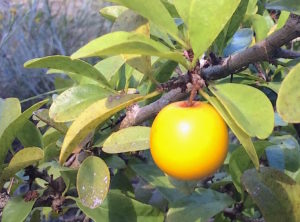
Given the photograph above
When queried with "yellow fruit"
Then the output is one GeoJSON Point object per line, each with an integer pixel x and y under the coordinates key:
{"type": "Point", "coordinates": [189, 142]}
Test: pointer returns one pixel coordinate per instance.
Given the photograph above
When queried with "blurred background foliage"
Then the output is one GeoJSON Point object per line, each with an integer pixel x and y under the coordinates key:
{"type": "Point", "coordinates": [37, 28]}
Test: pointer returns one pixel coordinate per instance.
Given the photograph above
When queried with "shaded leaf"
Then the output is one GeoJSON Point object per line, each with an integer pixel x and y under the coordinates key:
{"type": "Point", "coordinates": [159, 180]}
{"type": "Point", "coordinates": [72, 102]}
{"type": "Point", "coordinates": [93, 116]}
{"type": "Point", "coordinates": [284, 5]}
{"type": "Point", "coordinates": [119, 208]}
{"type": "Point", "coordinates": [128, 140]}
{"type": "Point", "coordinates": [93, 180]}
{"type": "Point", "coordinates": [110, 66]}
{"type": "Point", "coordinates": [288, 105]}
{"type": "Point", "coordinates": [29, 135]}
{"type": "Point", "coordinates": [199, 206]}
{"type": "Point", "coordinates": [17, 209]}
{"type": "Point", "coordinates": [239, 162]}
{"type": "Point", "coordinates": [248, 106]}
{"type": "Point", "coordinates": [240, 41]}
{"type": "Point", "coordinates": [275, 193]}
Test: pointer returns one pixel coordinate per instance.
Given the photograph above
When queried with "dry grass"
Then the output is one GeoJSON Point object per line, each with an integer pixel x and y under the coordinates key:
{"type": "Point", "coordinates": [37, 28]}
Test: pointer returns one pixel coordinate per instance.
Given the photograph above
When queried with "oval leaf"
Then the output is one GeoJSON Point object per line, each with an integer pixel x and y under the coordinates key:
{"type": "Point", "coordinates": [17, 209]}
{"type": "Point", "coordinates": [20, 160]}
{"type": "Point", "coordinates": [195, 14]}
{"type": "Point", "coordinates": [240, 134]}
{"type": "Point", "coordinates": [120, 208]}
{"type": "Point", "coordinates": [248, 106]}
{"type": "Point", "coordinates": [93, 180]}
{"type": "Point", "coordinates": [116, 43]}
{"type": "Point", "coordinates": [93, 116]}
{"type": "Point", "coordinates": [288, 105]}
{"type": "Point", "coordinates": [10, 109]}
{"type": "Point", "coordinates": [68, 105]}
{"type": "Point", "coordinates": [275, 193]}
{"type": "Point", "coordinates": [128, 140]}
{"type": "Point", "coordinates": [64, 63]}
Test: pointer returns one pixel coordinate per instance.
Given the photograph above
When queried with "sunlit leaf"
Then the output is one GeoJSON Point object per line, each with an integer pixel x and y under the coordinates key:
{"type": "Point", "coordinates": [240, 134]}
{"type": "Point", "coordinates": [93, 116]}
{"type": "Point", "coordinates": [128, 140]}
{"type": "Point", "coordinates": [249, 107]}
{"type": "Point", "coordinates": [20, 160]}
{"type": "Point", "coordinates": [70, 104]}
{"type": "Point", "coordinates": [112, 12]}
{"type": "Point", "coordinates": [127, 43]}
{"type": "Point", "coordinates": [65, 63]}
{"type": "Point", "coordinates": [154, 11]}
{"type": "Point", "coordinates": [197, 16]}
{"type": "Point", "coordinates": [10, 133]}
{"type": "Point", "coordinates": [288, 105]}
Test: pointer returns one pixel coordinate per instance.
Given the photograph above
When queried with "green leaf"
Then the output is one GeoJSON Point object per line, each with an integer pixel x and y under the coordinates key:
{"type": "Point", "coordinates": [17, 209]}
{"type": "Point", "coordinates": [110, 66]}
{"type": "Point", "coordinates": [200, 206]}
{"type": "Point", "coordinates": [51, 136]}
{"type": "Point", "coordinates": [127, 43]}
{"type": "Point", "coordinates": [288, 105]}
{"type": "Point", "coordinates": [93, 116]}
{"type": "Point", "coordinates": [203, 31]}
{"type": "Point", "coordinates": [72, 102]}
{"type": "Point", "coordinates": [115, 162]}
{"type": "Point", "coordinates": [282, 19]}
{"type": "Point", "coordinates": [119, 208]}
{"type": "Point", "coordinates": [232, 25]}
{"type": "Point", "coordinates": [51, 152]}
{"type": "Point", "coordinates": [249, 107]}
{"type": "Point", "coordinates": [10, 109]}
{"type": "Point", "coordinates": [112, 12]}
{"type": "Point", "coordinates": [66, 64]}
{"type": "Point", "coordinates": [260, 27]}
{"type": "Point", "coordinates": [284, 5]}
{"type": "Point", "coordinates": [240, 134]}
{"type": "Point", "coordinates": [93, 180]}
{"type": "Point", "coordinates": [275, 193]}
{"type": "Point", "coordinates": [154, 11]}
{"type": "Point", "coordinates": [128, 140]}
{"type": "Point", "coordinates": [10, 133]}
{"type": "Point", "coordinates": [159, 180]}
{"type": "Point", "coordinates": [29, 135]}
{"type": "Point", "coordinates": [239, 162]}
{"type": "Point", "coordinates": [43, 115]}
{"type": "Point", "coordinates": [21, 160]}
{"type": "Point", "coordinates": [129, 21]}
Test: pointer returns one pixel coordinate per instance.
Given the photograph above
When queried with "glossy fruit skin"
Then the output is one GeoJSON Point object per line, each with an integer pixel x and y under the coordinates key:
{"type": "Point", "coordinates": [189, 142]}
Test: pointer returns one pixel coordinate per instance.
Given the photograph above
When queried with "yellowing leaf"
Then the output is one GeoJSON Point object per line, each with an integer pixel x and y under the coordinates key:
{"type": "Point", "coordinates": [288, 101]}
{"type": "Point", "coordinates": [20, 160]}
{"type": "Point", "coordinates": [93, 116]}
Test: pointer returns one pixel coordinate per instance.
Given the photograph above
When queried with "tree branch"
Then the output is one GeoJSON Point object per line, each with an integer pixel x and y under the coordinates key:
{"type": "Point", "coordinates": [266, 50]}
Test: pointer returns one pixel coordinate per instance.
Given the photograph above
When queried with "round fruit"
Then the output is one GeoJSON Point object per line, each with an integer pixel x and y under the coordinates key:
{"type": "Point", "coordinates": [189, 142]}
